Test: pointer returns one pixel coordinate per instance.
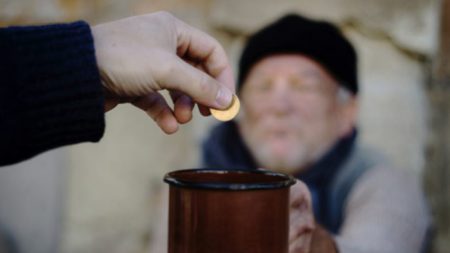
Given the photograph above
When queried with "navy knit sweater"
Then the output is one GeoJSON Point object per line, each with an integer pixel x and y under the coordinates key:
{"type": "Point", "coordinates": [50, 90]}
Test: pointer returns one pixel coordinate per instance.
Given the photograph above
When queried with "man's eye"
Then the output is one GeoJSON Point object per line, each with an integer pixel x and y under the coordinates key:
{"type": "Point", "coordinates": [298, 85]}
{"type": "Point", "coordinates": [304, 85]}
{"type": "Point", "coordinates": [264, 86]}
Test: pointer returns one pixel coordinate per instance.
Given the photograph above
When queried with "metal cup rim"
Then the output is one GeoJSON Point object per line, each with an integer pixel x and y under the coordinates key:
{"type": "Point", "coordinates": [284, 182]}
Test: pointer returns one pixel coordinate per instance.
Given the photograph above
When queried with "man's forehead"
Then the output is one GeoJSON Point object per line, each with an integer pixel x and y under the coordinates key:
{"type": "Point", "coordinates": [289, 63]}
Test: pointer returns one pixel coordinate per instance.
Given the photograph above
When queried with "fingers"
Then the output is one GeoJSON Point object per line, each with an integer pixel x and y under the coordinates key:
{"type": "Point", "coordinates": [301, 245]}
{"type": "Point", "coordinates": [301, 218]}
{"type": "Point", "coordinates": [299, 194]}
{"type": "Point", "coordinates": [201, 108]}
{"type": "Point", "coordinates": [204, 110]}
{"type": "Point", "coordinates": [301, 223]}
{"type": "Point", "coordinates": [110, 103]}
{"type": "Point", "coordinates": [196, 45]}
{"type": "Point", "coordinates": [201, 87]}
{"type": "Point", "coordinates": [157, 108]}
{"type": "Point", "coordinates": [183, 106]}
{"type": "Point", "coordinates": [300, 234]}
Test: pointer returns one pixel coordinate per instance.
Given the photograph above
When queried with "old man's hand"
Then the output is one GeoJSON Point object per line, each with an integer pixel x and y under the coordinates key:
{"type": "Point", "coordinates": [302, 223]}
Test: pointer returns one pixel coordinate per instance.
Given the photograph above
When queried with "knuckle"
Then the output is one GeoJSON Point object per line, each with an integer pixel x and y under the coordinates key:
{"type": "Point", "coordinates": [165, 71]}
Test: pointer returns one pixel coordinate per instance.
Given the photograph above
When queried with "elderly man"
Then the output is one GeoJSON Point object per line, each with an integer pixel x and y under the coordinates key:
{"type": "Point", "coordinates": [298, 87]}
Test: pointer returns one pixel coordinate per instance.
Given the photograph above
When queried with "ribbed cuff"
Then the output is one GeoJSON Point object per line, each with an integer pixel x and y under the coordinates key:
{"type": "Point", "coordinates": [54, 86]}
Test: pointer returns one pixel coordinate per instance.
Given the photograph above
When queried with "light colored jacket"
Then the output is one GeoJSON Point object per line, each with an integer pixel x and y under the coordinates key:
{"type": "Point", "coordinates": [384, 211]}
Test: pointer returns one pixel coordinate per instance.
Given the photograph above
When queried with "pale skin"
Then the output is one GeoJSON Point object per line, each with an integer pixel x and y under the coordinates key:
{"type": "Point", "coordinates": [139, 56]}
{"type": "Point", "coordinates": [301, 219]}
{"type": "Point", "coordinates": [301, 117]}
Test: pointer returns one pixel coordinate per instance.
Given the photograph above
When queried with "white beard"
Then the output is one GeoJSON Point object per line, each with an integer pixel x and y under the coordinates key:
{"type": "Point", "coordinates": [285, 153]}
{"type": "Point", "coordinates": [290, 163]}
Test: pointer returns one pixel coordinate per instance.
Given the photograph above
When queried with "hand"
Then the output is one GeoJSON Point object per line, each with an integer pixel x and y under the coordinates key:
{"type": "Point", "coordinates": [139, 56]}
{"type": "Point", "coordinates": [301, 216]}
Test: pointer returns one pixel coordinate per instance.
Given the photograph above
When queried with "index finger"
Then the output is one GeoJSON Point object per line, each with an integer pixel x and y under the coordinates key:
{"type": "Point", "coordinates": [193, 44]}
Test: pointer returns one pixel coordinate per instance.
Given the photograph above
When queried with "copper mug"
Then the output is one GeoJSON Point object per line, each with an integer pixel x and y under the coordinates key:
{"type": "Point", "coordinates": [228, 211]}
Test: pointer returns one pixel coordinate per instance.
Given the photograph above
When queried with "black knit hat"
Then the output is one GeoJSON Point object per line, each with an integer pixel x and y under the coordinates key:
{"type": "Point", "coordinates": [319, 40]}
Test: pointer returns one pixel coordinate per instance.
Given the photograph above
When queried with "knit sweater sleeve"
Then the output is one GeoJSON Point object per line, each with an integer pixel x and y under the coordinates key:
{"type": "Point", "coordinates": [50, 90]}
{"type": "Point", "coordinates": [386, 213]}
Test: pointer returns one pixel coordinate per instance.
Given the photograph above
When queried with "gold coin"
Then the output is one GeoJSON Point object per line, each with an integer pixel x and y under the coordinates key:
{"type": "Point", "coordinates": [229, 113]}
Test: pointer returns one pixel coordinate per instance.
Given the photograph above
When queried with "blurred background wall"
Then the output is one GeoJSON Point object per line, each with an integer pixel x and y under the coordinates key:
{"type": "Point", "coordinates": [103, 197]}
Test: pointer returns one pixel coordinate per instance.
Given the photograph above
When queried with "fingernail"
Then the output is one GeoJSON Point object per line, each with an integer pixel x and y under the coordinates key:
{"type": "Point", "coordinates": [224, 98]}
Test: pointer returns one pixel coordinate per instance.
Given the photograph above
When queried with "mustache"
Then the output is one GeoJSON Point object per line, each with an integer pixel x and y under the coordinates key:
{"type": "Point", "coordinates": [276, 123]}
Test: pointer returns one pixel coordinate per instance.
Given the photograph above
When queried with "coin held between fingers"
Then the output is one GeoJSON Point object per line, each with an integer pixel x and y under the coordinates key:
{"type": "Point", "coordinates": [228, 113]}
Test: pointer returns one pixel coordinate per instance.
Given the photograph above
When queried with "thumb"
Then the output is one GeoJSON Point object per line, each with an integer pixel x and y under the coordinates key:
{"type": "Point", "coordinates": [200, 86]}
{"type": "Point", "coordinates": [300, 195]}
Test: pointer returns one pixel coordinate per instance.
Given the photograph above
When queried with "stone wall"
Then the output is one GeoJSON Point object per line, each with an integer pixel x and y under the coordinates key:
{"type": "Point", "coordinates": [112, 187]}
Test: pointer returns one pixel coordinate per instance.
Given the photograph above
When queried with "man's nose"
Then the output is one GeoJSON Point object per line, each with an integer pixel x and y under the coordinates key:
{"type": "Point", "coordinates": [280, 99]}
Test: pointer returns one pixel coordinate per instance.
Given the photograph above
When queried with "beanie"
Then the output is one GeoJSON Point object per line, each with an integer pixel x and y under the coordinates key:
{"type": "Point", "coordinates": [318, 40]}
